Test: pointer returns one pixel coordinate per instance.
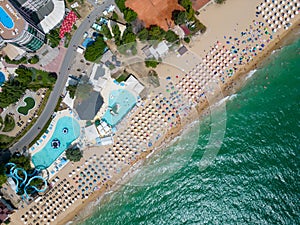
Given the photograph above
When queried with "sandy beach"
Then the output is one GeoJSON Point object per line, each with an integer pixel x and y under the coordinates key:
{"type": "Point", "coordinates": [200, 46]}
{"type": "Point", "coordinates": [236, 42]}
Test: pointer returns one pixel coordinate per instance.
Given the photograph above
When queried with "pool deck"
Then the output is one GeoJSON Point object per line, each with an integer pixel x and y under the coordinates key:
{"type": "Point", "coordinates": [19, 22]}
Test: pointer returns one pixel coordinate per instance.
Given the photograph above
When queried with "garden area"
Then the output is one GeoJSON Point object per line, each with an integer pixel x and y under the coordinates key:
{"type": "Point", "coordinates": [187, 18]}
{"type": "Point", "coordinates": [9, 123]}
{"type": "Point", "coordinates": [30, 103]}
{"type": "Point", "coordinates": [53, 37]}
{"type": "Point", "coordinates": [95, 50]}
{"type": "Point", "coordinates": [24, 60]}
{"type": "Point", "coordinates": [26, 78]}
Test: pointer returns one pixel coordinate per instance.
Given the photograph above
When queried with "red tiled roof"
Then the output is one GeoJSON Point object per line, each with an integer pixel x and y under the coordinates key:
{"type": "Point", "coordinates": [185, 30]}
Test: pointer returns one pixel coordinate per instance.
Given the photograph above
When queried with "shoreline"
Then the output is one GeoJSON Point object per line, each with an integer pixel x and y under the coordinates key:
{"type": "Point", "coordinates": [238, 81]}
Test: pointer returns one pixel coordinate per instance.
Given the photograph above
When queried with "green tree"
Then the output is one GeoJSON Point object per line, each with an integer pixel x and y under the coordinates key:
{"type": "Point", "coordinates": [3, 177]}
{"type": "Point", "coordinates": [143, 35]}
{"type": "Point", "coordinates": [105, 31]}
{"type": "Point", "coordinates": [121, 4]}
{"type": "Point", "coordinates": [128, 36]}
{"type": "Point", "coordinates": [187, 39]}
{"type": "Point", "coordinates": [220, 1]}
{"type": "Point", "coordinates": [35, 59]}
{"type": "Point", "coordinates": [117, 34]}
{"type": "Point", "coordinates": [9, 123]}
{"type": "Point", "coordinates": [179, 17]}
{"type": "Point", "coordinates": [151, 63]}
{"type": "Point", "coordinates": [171, 36]}
{"type": "Point", "coordinates": [72, 89]}
{"type": "Point", "coordinates": [95, 50]}
{"type": "Point", "coordinates": [21, 161]}
{"type": "Point", "coordinates": [74, 154]}
{"type": "Point", "coordinates": [156, 33]}
{"type": "Point", "coordinates": [189, 11]}
{"type": "Point", "coordinates": [53, 37]}
{"type": "Point", "coordinates": [129, 15]}
{"type": "Point", "coordinates": [114, 16]}
{"type": "Point", "coordinates": [185, 3]}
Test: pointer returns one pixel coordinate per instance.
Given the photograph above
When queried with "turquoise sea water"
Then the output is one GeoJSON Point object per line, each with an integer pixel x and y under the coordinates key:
{"type": "Point", "coordinates": [255, 177]}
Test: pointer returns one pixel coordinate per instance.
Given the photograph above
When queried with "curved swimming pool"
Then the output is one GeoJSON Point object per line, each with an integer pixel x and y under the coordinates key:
{"type": "Point", "coordinates": [67, 130]}
{"type": "Point", "coordinates": [5, 19]}
{"type": "Point", "coordinates": [120, 103]}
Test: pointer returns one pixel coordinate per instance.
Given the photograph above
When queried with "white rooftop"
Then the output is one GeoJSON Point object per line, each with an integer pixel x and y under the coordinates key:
{"type": "Point", "coordinates": [55, 17]}
{"type": "Point", "coordinates": [162, 48]}
{"type": "Point", "coordinates": [134, 85]}
{"type": "Point", "coordinates": [68, 101]}
{"type": "Point", "coordinates": [107, 141]}
{"type": "Point", "coordinates": [91, 133]}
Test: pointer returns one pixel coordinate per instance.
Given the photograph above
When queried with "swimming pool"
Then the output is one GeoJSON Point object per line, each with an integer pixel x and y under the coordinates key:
{"type": "Point", "coordinates": [5, 19]}
{"type": "Point", "coordinates": [87, 42]}
{"type": "Point", "coordinates": [66, 131]}
{"type": "Point", "coordinates": [119, 104]}
{"type": "Point", "coordinates": [2, 78]}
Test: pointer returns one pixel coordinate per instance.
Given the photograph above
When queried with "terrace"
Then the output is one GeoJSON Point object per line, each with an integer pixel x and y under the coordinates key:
{"type": "Point", "coordinates": [11, 21]}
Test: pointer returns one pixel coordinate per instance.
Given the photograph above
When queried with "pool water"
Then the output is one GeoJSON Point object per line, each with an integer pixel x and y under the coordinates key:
{"type": "Point", "coordinates": [120, 103]}
{"type": "Point", "coordinates": [87, 42]}
{"type": "Point", "coordinates": [2, 78]}
{"type": "Point", "coordinates": [5, 19]}
{"type": "Point", "coordinates": [48, 154]}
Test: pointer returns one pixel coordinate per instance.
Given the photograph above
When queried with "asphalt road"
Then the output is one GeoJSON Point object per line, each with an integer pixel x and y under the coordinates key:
{"type": "Point", "coordinates": [61, 80]}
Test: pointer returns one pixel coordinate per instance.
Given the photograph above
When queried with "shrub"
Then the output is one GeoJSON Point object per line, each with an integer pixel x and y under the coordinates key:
{"type": "Point", "coordinates": [187, 39]}
{"type": "Point", "coordinates": [95, 50]}
{"type": "Point", "coordinates": [74, 154]}
{"type": "Point", "coordinates": [171, 36]}
{"type": "Point", "coordinates": [35, 59]}
{"type": "Point", "coordinates": [151, 63]}
{"type": "Point", "coordinates": [220, 1]}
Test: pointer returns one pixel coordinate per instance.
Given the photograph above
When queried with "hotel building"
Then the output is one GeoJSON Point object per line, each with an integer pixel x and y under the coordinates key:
{"type": "Point", "coordinates": [18, 29]}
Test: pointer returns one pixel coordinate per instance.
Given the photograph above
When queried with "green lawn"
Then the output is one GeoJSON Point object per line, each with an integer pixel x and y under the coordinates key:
{"type": "Point", "coordinates": [122, 77]}
{"type": "Point", "coordinates": [30, 103]}
{"type": "Point", "coordinates": [9, 123]}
